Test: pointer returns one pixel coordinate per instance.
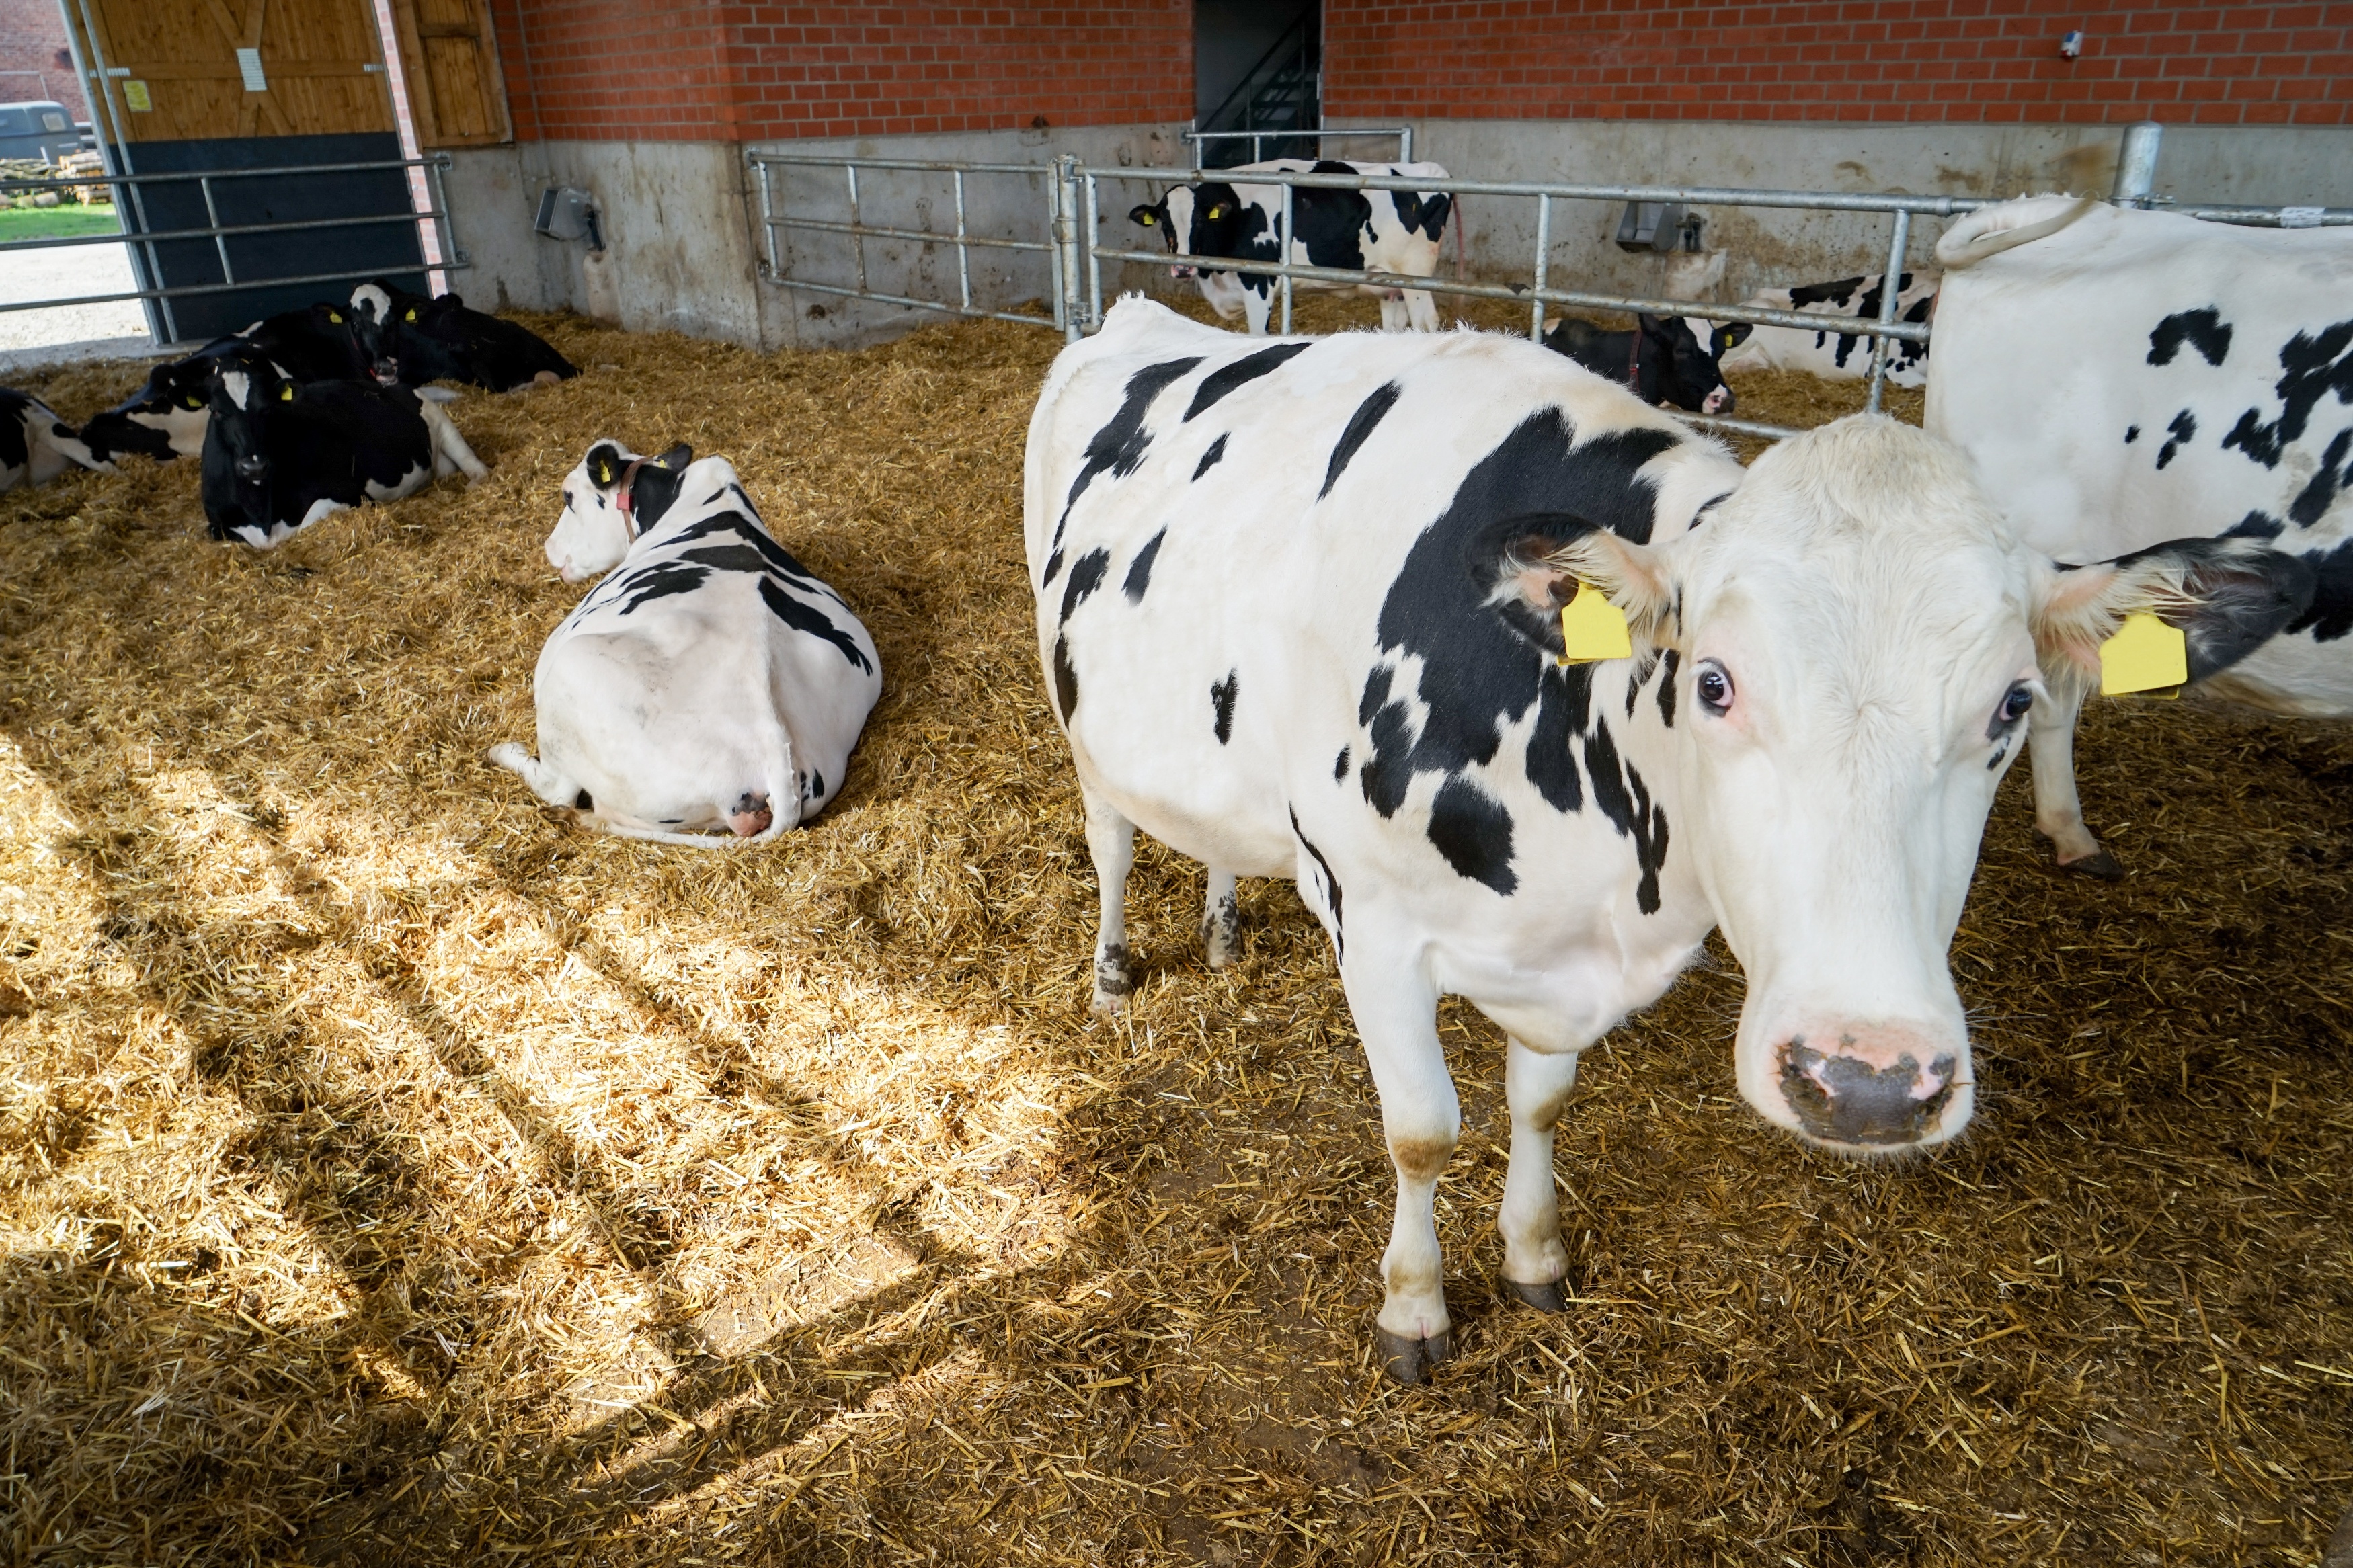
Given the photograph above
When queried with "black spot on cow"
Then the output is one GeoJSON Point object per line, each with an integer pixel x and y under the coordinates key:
{"type": "Point", "coordinates": [660, 581]}
{"type": "Point", "coordinates": [1139, 571]}
{"type": "Point", "coordinates": [1485, 656]}
{"type": "Point", "coordinates": [1667, 689]}
{"type": "Point", "coordinates": [1119, 447]}
{"type": "Point", "coordinates": [1625, 800]}
{"type": "Point", "coordinates": [1340, 765]}
{"type": "Point", "coordinates": [2311, 368]}
{"type": "Point", "coordinates": [2202, 329]}
{"type": "Point", "coordinates": [812, 620]}
{"type": "Point", "coordinates": [1209, 458]}
{"type": "Point", "coordinates": [1221, 703]}
{"type": "Point", "coordinates": [774, 557]}
{"type": "Point", "coordinates": [1420, 214]}
{"type": "Point", "coordinates": [2183, 431]}
{"type": "Point", "coordinates": [584, 801]}
{"type": "Point", "coordinates": [1228, 378]}
{"type": "Point", "coordinates": [1837, 292]}
{"type": "Point", "coordinates": [1473, 831]}
{"type": "Point", "coordinates": [816, 784]}
{"type": "Point", "coordinates": [1331, 883]}
{"type": "Point", "coordinates": [2313, 501]}
{"type": "Point", "coordinates": [1329, 225]}
{"type": "Point", "coordinates": [1066, 679]}
{"type": "Point", "coordinates": [1361, 425]}
{"type": "Point", "coordinates": [2330, 614]}
{"type": "Point", "coordinates": [1086, 576]}
{"type": "Point", "coordinates": [1053, 569]}
{"type": "Point", "coordinates": [2256, 525]}
{"type": "Point", "coordinates": [2132, 434]}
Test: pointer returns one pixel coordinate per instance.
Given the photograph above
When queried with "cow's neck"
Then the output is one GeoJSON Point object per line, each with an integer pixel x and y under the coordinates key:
{"type": "Point", "coordinates": [651, 493]}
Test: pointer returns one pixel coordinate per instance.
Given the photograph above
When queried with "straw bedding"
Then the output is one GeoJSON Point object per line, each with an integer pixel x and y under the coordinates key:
{"type": "Point", "coordinates": [391, 1174]}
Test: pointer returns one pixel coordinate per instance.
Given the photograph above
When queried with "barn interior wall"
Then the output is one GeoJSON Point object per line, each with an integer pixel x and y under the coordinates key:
{"type": "Point", "coordinates": [2270, 165]}
{"type": "Point", "coordinates": [680, 221]}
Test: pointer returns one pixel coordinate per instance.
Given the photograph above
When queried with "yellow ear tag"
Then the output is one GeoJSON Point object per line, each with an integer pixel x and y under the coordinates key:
{"type": "Point", "coordinates": [1592, 629]}
{"type": "Point", "coordinates": [410, 316]}
{"type": "Point", "coordinates": [2146, 655]}
{"type": "Point", "coordinates": [334, 317]}
{"type": "Point", "coordinates": [1147, 220]}
{"type": "Point", "coordinates": [285, 394]}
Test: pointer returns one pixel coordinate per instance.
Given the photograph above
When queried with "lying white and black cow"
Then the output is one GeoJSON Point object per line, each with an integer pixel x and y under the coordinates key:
{"type": "Point", "coordinates": [2122, 377]}
{"type": "Point", "coordinates": [36, 445]}
{"type": "Point", "coordinates": [166, 418]}
{"type": "Point", "coordinates": [1834, 355]}
{"type": "Point", "coordinates": [279, 453]}
{"type": "Point", "coordinates": [410, 339]}
{"type": "Point", "coordinates": [1346, 559]}
{"type": "Point", "coordinates": [1667, 359]}
{"type": "Point", "coordinates": [1377, 231]}
{"type": "Point", "coordinates": [710, 690]}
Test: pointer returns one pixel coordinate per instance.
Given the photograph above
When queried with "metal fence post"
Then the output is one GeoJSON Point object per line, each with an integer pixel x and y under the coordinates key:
{"type": "Point", "coordinates": [1283, 251]}
{"type": "Point", "coordinates": [964, 251]}
{"type": "Point", "coordinates": [1544, 255]}
{"type": "Point", "coordinates": [1891, 285]}
{"type": "Point", "coordinates": [1066, 232]}
{"type": "Point", "coordinates": [2136, 164]}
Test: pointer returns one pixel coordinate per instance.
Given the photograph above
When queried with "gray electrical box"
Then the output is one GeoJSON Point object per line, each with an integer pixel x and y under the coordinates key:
{"type": "Point", "coordinates": [563, 213]}
{"type": "Point", "coordinates": [1653, 226]}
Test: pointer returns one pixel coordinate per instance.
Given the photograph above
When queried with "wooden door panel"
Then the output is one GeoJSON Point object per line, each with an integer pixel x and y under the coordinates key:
{"type": "Point", "coordinates": [456, 95]}
{"type": "Point", "coordinates": [320, 61]}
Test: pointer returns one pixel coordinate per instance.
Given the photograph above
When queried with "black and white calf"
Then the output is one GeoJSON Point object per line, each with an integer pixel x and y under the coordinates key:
{"type": "Point", "coordinates": [2122, 377]}
{"type": "Point", "coordinates": [1667, 359]}
{"type": "Point", "coordinates": [1377, 231]}
{"type": "Point", "coordinates": [708, 692]}
{"type": "Point", "coordinates": [166, 418]}
{"type": "Point", "coordinates": [36, 445]}
{"type": "Point", "coordinates": [410, 339]}
{"type": "Point", "coordinates": [1299, 610]}
{"type": "Point", "coordinates": [1831, 354]}
{"type": "Point", "coordinates": [279, 454]}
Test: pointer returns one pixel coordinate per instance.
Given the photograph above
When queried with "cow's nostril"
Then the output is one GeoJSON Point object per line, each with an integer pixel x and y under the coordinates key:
{"type": "Point", "coordinates": [1842, 1099]}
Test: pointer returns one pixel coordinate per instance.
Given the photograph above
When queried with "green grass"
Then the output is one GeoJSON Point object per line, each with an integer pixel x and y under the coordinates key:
{"type": "Point", "coordinates": [54, 223]}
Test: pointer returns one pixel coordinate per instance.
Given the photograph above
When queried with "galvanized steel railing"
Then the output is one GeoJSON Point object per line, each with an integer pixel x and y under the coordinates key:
{"type": "Point", "coordinates": [128, 196]}
{"type": "Point", "coordinates": [1257, 140]}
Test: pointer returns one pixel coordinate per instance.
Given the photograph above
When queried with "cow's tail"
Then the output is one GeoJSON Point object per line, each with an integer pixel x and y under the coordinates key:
{"type": "Point", "coordinates": [784, 790]}
{"type": "Point", "coordinates": [1989, 231]}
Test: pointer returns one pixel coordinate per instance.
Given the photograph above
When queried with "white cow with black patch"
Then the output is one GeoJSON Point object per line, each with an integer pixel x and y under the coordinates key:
{"type": "Point", "coordinates": [2123, 377]}
{"type": "Point", "coordinates": [1834, 355]}
{"type": "Point", "coordinates": [1298, 610]}
{"type": "Point", "coordinates": [709, 691]}
{"type": "Point", "coordinates": [1362, 231]}
{"type": "Point", "coordinates": [36, 445]}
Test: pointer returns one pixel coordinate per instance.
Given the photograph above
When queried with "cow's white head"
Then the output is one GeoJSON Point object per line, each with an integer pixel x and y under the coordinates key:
{"type": "Point", "coordinates": [608, 504]}
{"type": "Point", "coordinates": [1856, 639]}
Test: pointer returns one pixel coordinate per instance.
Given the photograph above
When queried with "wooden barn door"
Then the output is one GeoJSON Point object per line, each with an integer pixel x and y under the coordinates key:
{"type": "Point", "coordinates": [455, 96]}
{"type": "Point", "coordinates": [223, 85]}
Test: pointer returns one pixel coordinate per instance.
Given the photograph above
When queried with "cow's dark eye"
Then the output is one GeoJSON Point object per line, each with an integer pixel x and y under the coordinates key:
{"type": "Point", "coordinates": [1714, 687]}
{"type": "Point", "coordinates": [2014, 706]}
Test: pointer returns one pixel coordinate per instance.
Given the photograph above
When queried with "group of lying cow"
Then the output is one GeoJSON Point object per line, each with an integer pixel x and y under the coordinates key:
{"type": "Point", "coordinates": [301, 414]}
{"type": "Point", "coordinates": [1679, 361]}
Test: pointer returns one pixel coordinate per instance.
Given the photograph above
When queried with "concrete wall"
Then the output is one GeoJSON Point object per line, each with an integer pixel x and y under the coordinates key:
{"type": "Point", "coordinates": [2270, 166]}
{"type": "Point", "coordinates": [681, 221]}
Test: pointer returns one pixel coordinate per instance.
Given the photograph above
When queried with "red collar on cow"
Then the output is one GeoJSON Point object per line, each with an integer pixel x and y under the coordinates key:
{"type": "Point", "coordinates": [626, 498]}
{"type": "Point", "coordinates": [1634, 363]}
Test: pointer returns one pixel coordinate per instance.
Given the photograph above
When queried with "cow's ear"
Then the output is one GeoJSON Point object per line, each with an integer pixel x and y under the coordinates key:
{"type": "Point", "coordinates": [2227, 597]}
{"type": "Point", "coordinates": [286, 392]}
{"type": "Point", "coordinates": [676, 459]}
{"type": "Point", "coordinates": [1655, 326]}
{"type": "Point", "coordinates": [604, 464]}
{"type": "Point", "coordinates": [1732, 336]}
{"type": "Point", "coordinates": [1147, 217]}
{"type": "Point", "coordinates": [1540, 559]}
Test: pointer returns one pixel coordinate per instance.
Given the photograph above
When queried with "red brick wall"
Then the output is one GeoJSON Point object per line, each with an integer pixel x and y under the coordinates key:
{"type": "Point", "coordinates": [1851, 60]}
{"type": "Point", "coordinates": [613, 70]}
{"type": "Point", "coordinates": [33, 38]}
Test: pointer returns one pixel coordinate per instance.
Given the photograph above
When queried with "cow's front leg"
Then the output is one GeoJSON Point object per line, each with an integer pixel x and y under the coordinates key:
{"type": "Point", "coordinates": [1110, 840]}
{"type": "Point", "coordinates": [2058, 812]}
{"type": "Point", "coordinates": [1222, 920]}
{"type": "Point", "coordinates": [1396, 1012]}
{"type": "Point", "coordinates": [1394, 315]}
{"type": "Point", "coordinates": [1421, 309]}
{"type": "Point", "coordinates": [1536, 1085]}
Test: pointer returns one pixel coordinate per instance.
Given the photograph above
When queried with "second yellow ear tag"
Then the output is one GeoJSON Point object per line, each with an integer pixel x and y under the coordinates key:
{"type": "Point", "coordinates": [1592, 629]}
{"type": "Point", "coordinates": [2146, 655]}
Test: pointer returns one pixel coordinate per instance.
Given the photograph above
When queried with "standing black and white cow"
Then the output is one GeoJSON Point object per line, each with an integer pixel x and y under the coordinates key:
{"type": "Point", "coordinates": [710, 690]}
{"type": "Point", "coordinates": [1831, 354]}
{"type": "Point", "coordinates": [2122, 377]}
{"type": "Point", "coordinates": [166, 418]}
{"type": "Point", "coordinates": [1666, 359]}
{"type": "Point", "coordinates": [411, 340]}
{"type": "Point", "coordinates": [1345, 560]}
{"type": "Point", "coordinates": [279, 453]}
{"type": "Point", "coordinates": [36, 445]}
{"type": "Point", "coordinates": [1378, 231]}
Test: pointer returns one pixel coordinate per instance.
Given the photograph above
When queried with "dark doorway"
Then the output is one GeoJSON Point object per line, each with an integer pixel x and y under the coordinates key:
{"type": "Point", "coordinates": [1257, 67]}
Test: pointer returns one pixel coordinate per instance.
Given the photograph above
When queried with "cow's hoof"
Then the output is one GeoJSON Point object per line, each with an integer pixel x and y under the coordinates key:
{"type": "Point", "coordinates": [1408, 1361]}
{"type": "Point", "coordinates": [1107, 1005]}
{"type": "Point", "coordinates": [2341, 1544]}
{"type": "Point", "coordinates": [1544, 1298]}
{"type": "Point", "coordinates": [2099, 864]}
